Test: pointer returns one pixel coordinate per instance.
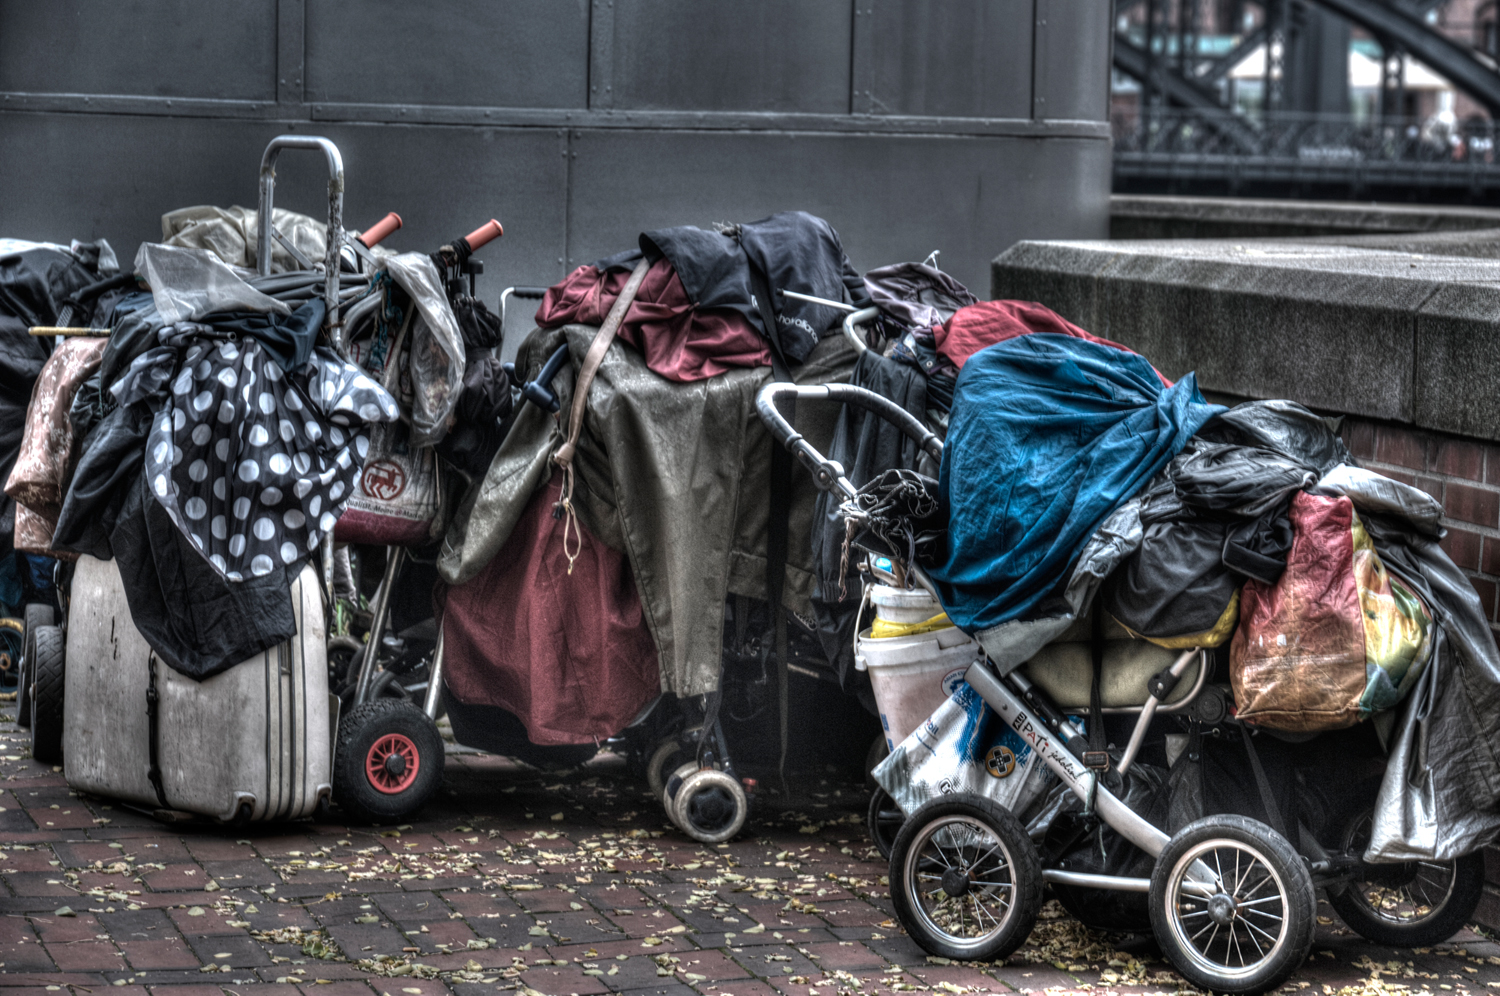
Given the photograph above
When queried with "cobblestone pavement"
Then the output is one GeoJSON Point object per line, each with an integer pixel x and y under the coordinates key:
{"type": "Point", "coordinates": [534, 883]}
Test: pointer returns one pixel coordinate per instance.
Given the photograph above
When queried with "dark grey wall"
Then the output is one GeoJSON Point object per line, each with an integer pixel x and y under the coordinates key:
{"type": "Point", "coordinates": [964, 126]}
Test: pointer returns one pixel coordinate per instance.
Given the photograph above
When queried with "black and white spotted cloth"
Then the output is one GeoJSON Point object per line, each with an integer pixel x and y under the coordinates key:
{"type": "Point", "coordinates": [254, 463]}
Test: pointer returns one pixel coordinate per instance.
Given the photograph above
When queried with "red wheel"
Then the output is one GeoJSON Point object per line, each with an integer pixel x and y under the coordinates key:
{"type": "Point", "coordinates": [388, 763]}
{"type": "Point", "coordinates": [392, 764]}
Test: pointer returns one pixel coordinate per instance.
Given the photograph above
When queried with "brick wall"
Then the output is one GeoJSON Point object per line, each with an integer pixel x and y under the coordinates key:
{"type": "Point", "coordinates": [1464, 475]}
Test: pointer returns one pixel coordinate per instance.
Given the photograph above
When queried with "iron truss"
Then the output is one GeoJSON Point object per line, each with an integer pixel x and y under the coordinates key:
{"type": "Point", "coordinates": [1184, 137]}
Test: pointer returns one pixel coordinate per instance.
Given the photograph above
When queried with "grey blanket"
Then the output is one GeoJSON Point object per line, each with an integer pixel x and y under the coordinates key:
{"type": "Point", "coordinates": [676, 476]}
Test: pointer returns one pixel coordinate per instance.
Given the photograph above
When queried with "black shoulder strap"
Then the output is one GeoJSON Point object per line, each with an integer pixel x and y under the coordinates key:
{"type": "Point", "coordinates": [153, 699]}
{"type": "Point", "coordinates": [1267, 796]}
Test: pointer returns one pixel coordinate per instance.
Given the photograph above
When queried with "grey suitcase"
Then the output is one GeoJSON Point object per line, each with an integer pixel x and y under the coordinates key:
{"type": "Point", "coordinates": [253, 742]}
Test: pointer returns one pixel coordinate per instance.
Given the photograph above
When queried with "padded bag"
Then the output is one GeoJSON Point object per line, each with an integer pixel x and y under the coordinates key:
{"type": "Point", "coordinates": [396, 500]}
{"type": "Point", "coordinates": [1336, 639]}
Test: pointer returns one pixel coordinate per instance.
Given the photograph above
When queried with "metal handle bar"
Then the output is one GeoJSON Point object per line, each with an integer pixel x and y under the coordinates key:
{"type": "Point", "coordinates": [484, 233]}
{"type": "Point", "coordinates": [858, 318]}
{"type": "Point", "coordinates": [527, 293]}
{"type": "Point", "coordinates": [828, 474]}
{"type": "Point", "coordinates": [377, 232]}
{"type": "Point", "coordinates": [335, 217]}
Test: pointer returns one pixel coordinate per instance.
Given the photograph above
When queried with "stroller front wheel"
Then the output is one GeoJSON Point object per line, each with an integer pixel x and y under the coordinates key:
{"type": "Point", "coordinates": [1232, 905]}
{"type": "Point", "coordinates": [965, 879]}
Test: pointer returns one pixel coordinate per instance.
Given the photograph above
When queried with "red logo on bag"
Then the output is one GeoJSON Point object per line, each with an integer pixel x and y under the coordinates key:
{"type": "Point", "coordinates": [384, 479]}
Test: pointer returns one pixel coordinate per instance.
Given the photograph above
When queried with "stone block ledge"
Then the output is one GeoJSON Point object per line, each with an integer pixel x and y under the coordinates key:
{"type": "Point", "coordinates": [1401, 336]}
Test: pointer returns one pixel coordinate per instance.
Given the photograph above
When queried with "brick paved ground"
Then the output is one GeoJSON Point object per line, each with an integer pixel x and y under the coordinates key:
{"type": "Point", "coordinates": [533, 883]}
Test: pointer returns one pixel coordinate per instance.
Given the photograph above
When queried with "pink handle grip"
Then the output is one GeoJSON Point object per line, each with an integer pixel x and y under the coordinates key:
{"type": "Point", "coordinates": [373, 235]}
{"type": "Point", "coordinates": [484, 233]}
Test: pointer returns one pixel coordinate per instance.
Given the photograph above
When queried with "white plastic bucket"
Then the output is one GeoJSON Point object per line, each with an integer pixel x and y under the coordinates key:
{"type": "Point", "coordinates": [913, 675]}
{"type": "Point", "coordinates": [903, 605]}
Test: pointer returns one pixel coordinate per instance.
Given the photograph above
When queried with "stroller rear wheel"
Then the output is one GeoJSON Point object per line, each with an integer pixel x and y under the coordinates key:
{"type": "Point", "coordinates": [46, 672]}
{"type": "Point", "coordinates": [1412, 904]}
{"type": "Point", "coordinates": [666, 759]}
{"type": "Point", "coordinates": [1232, 905]}
{"type": "Point", "coordinates": [37, 616]}
{"type": "Point", "coordinates": [965, 879]}
{"type": "Point", "coordinates": [710, 806]}
{"type": "Point", "coordinates": [883, 821]}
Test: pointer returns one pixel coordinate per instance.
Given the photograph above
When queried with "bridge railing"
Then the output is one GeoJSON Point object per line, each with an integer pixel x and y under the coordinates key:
{"type": "Point", "coordinates": [1326, 137]}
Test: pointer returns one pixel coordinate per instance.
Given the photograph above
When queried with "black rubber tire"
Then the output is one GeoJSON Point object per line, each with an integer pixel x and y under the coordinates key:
{"type": "Point", "coordinates": [37, 615]}
{"type": "Point", "coordinates": [878, 752]}
{"type": "Point", "coordinates": [1298, 907]}
{"type": "Point", "coordinates": [359, 729]}
{"type": "Point", "coordinates": [12, 649]}
{"type": "Point", "coordinates": [710, 806]}
{"type": "Point", "coordinates": [883, 821]}
{"type": "Point", "coordinates": [1447, 918]}
{"type": "Point", "coordinates": [47, 695]}
{"type": "Point", "coordinates": [1017, 851]}
{"type": "Point", "coordinates": [667, 757]}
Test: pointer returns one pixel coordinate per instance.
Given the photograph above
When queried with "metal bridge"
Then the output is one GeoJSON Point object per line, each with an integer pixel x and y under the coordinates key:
{"type": "Point", "coordinates": [1302, 139]}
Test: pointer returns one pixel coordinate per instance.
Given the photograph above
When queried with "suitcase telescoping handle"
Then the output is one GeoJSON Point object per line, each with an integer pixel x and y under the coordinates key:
{"type": "Point", "coordinates": [829, 474]}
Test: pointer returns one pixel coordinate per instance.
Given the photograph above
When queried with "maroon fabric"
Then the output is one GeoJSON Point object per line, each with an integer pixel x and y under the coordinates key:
{"type": "Point", "coordinates": [570, 655]}
{"type": "Point", "coordinates": [681, 342]}
{"type": "Point", "coordinates": [979, 325]}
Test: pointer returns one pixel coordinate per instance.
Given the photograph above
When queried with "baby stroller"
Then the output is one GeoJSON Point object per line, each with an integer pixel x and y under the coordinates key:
{"type": "Point", "coordinates": [1231, 902]}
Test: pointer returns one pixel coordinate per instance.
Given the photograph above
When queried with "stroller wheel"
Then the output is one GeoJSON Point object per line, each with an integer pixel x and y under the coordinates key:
{"type": "Point", "coordinates": [710, 806]}
{"type": "Point", "coordinates": [37, 616]}
{"type": "Point", "coordinates": [1407, 905]}
{"type": "Point", "coordinates": [965, 879]}
{"type": "Point", "coordinates": [878, 752]}
{"type": "Point", "coordinates": [1232, 905]}
{"type": "Point", "coordinates": [46, 673]}
{"type": "Point", "coordinates": [388, 763]}
{"type": "Point", "coordinates": [673, 785]}
{"type": "Point", "coordinates": [667, 758]}
{"type": "Point", "coordinates": [883, 821]}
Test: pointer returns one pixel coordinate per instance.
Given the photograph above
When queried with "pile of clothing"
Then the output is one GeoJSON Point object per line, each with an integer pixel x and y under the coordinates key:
{"type": "Point", "coordinates": [40, 285]}
{"type": "Point", "coordinates": [574, 619]}
{"type": "Point", "coordinates": [208, 444]}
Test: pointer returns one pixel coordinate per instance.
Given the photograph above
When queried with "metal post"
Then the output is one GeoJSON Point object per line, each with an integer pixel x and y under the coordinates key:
{"type": "Point", "coordinates": [377, 623]}
{"type": "Point", "coordinates": [435, 677]}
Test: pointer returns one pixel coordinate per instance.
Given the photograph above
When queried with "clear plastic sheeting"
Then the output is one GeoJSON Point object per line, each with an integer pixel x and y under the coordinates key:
{"type": "Point", "coordinates": [435, 370]}
{"type": "Point", "coordinates": [231, 233]}
{"type": "Point", "coordinates": [190, 283]}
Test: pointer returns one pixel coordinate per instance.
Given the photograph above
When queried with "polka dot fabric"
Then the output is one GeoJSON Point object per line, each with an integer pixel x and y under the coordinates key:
{"type": "Point", "coordinates": [254, 464]}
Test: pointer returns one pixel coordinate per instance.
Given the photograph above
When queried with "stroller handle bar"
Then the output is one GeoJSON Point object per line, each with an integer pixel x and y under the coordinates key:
{"type": "Point", "coordinates": [487, 232]}
{"type": "Point", "coordinates": [829, 474]}
{"type": "Point", "coordinates": [377, 232]}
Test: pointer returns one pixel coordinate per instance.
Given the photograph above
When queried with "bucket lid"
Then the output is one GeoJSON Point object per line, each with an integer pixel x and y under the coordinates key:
{"type": "Point", "coordinates": [903, 598]}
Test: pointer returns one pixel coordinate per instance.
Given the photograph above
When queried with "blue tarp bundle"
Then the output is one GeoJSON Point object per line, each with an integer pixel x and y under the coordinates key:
{"type": "Point", "coordinates": [1049, 435]}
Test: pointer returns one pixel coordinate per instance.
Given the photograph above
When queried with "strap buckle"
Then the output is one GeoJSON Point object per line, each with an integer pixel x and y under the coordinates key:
{"type": "Point", "coordinates": [1096, 760]}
